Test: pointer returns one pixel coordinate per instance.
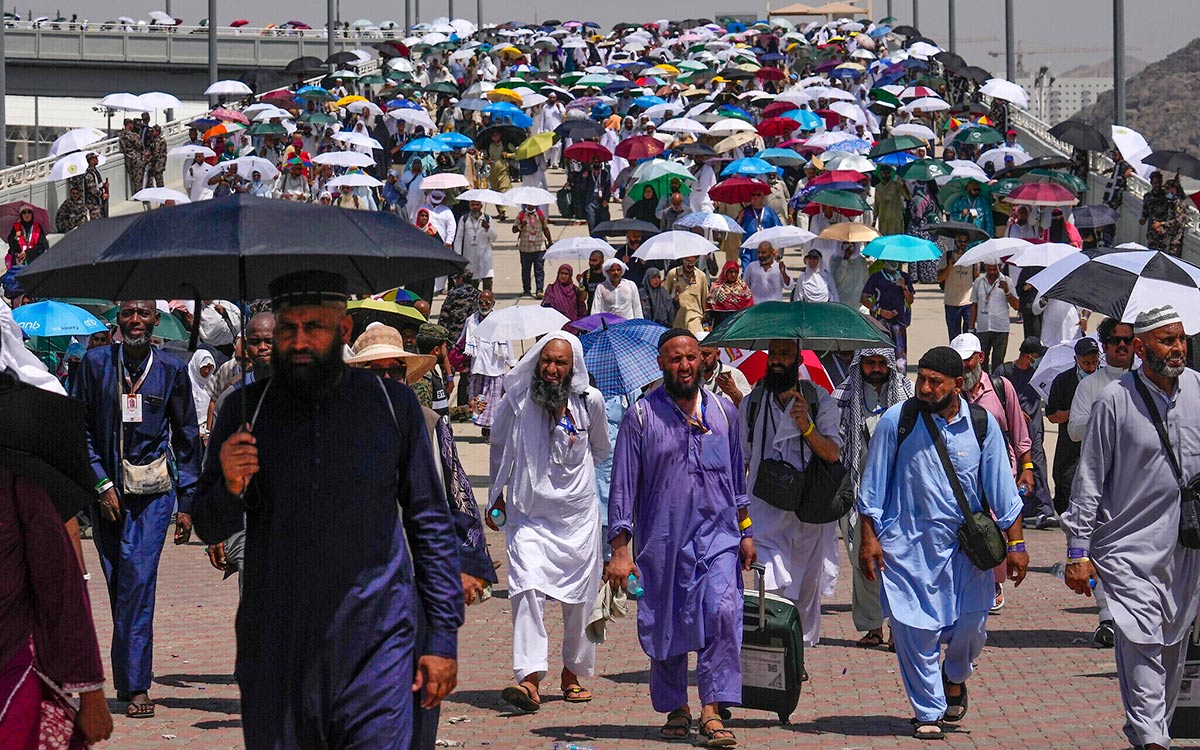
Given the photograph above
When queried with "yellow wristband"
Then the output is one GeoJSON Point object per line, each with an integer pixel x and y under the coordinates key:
{"type": "Point", "coordinates": [1016, 542]}
{"type": "Point", "coordinates": [1026, 466]}
{"type": "Point", "coordinates": [745, 523]}
{"type": "Point", "coordinates": [809, 431]}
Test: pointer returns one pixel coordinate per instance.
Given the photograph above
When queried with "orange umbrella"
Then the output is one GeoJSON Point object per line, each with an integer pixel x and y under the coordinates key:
{"type": "Point", "coordinates": [224, 128]}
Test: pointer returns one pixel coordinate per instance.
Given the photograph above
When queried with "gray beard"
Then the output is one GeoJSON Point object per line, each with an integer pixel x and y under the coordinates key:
{"type": "Point", "coordinates": [550, 396]}
{"type": "Point", "coordinates": [972, 377]}
{"type": "Point", "coordinates": [1160, 366]}
{"type": "Point", "coordinates": [138, 342]}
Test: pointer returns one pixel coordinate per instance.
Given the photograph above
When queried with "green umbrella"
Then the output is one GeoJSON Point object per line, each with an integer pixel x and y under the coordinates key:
{"type": "Point", "coordinates": [883, 95]}
{"type": "Point", "coordinates": [1001, 188]}
{"type": "Point", "coordinates": [924, 170]}
{"type": "Point", "coordinates": [951, 191]}
{"type": "Point", "coordinates": [318, 118]}
{"type": "Point", "coordinates": [979, 136]}
{"type": "Point", "coordinates": [821, 326]}
{"type": "Point", "coordinates": [895, 144]}
{"type": "Point", "coordinates": [169, 328]}
{"type": "Point", "coordinates": [373, 79]}
{"type": "Point", "coordinates": [1066, 179]}
{"type": "Point", "coordinates": [839, 199]}
{"type": "Point", "coordinates": [267, 128]}
{"type": "Point", "coordinates": [91, 304]}
{"type": "Point", "coordinates": [443, 87]}
{"type": "Point", "coordinates": [399, 75]}
{"type": "Point", "coordinates": [569, 79]}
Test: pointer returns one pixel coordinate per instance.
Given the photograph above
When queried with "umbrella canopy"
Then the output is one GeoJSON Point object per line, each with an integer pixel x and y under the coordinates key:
{"type": "Point", "coordinates": [535, 145]}
{"type": "Point", "coordinates": [231, 248]}
{"type": "Point", "coordinates": [1042, 255]}
{"type": "Point", "coordinates": [1175, 161]}
{"type": "Point", "coordinates": [578, 127]}
{"type": "Point", "coordinates": [823, 326]}
{"type": "Point", "coordinates": [998, 88]}
{"type": "Point", "coordinates": [344, 159]}
{"type": "Point", "coordinates": [509, 134]}
{"type": "Point", "coordinates": [579, 248]}
{"type": "Point", "coordinates": [640, 147]}
{"type": "Point", "coordinates": [1080, 135]}
{"type": "Point", "coordinates": [843, 199]}
{"type": "Point", "coordinates": [228, 88]}
{"type": "Point", "coordinates": [1123, 284]}
{"type": "Point", "coordinates": [749, 166]}
{"type": "Point", "coordinates": [51, 318]}
{"type": "Point", "coordinates": [11, 212]}
{"type": "Point", "coordinates": [992, 251]}
{"type": "Point", "coordinates": [75, 140]}
{"type": "Point", "coordinates": [895, 144]}
{"type": "Point", "coordinates": [1042, 194]}
{"type": "Point", "coordinates": [445, 181]}
{"type": "Point", "coordinates": [621, 226]}
{"type": "Point", "coordinates": [902, 248]}
{"type": "Point", "coordinates": [738, 190]}
{"type": "Point", "coordinates": [923, 170]}
{"type": "Point", "coordinates": [781, 237]}
{"type": "Point", "coordinates": [623, 357]}
{"type": "Point", "coordinates": [483, 195]}
{"type": "Point", "coordinates": [520, 322]}
{"type": "Point", "coordinates": [1087, 217]}
{"type": "Point", "coordinates": [709, 221]}
{"type": "Point", "coordinates": [592, 322]}
{"type": "Point", "coordinates": [367, 311]}
{"type": "Point", "coordinates": [354, 179]}
{"type": "Point", "coordinates": [674, 245]}
{"type": "Point", "coordinates": [528, 196]}
{"type": "Point", "coordinates": [952, 229]}
{"type": "Point", "coordinates": [160, 195]}
{"type": "Point", "coordinates": [848, 231]}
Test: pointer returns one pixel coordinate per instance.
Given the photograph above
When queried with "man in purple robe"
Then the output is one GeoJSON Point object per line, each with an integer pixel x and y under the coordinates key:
{"type": "Point", "coordinates": [679, 491]}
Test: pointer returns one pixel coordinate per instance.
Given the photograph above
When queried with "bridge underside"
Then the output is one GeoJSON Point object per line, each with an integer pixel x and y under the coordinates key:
{"type": "Point", "coordinates": [95, 79]}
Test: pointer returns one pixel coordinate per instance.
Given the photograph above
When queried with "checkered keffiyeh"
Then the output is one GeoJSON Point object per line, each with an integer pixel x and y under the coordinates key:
{"type": "Point", "coordinates": [849, 396]}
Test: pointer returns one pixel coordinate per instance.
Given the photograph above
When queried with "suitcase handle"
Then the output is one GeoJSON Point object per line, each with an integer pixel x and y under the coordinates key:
{"type": "Point", "coordinates": [760, 578]}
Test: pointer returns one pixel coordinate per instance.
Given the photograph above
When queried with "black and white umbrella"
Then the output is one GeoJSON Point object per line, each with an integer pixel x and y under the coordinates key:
{"type": "Point", "coordinates": [1122, 284]}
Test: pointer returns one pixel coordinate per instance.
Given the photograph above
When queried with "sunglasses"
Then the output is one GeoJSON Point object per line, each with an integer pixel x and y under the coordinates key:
{"type": "Point", "coordinates": [399, 372]}
{"type": "Point", "coordinates": [1118, 340]}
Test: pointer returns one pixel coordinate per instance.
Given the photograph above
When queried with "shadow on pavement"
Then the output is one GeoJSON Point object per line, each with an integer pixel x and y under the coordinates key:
{"type": "Point", "coordinates": [219, 724]}
{"type": "Point", "coordinates": [229, 706]}
{"type": "Point", "coordinates": [188, 680]}
{"type": "Point", "coordinates": [1039, 639]}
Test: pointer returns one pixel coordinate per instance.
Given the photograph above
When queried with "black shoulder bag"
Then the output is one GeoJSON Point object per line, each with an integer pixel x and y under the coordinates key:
{"type": "Point", "coordinates": [1189, 492]}
{"type": "Point", "coordinates": [778, 483]}
{"type": "Point", "coordinates": [979, 536]}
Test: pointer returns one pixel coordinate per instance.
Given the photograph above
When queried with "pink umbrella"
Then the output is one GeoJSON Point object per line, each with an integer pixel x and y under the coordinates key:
{"type": "Point", "coordinates": [228, 115]}
{"type": "Point", "coordinates": [1042, 194]}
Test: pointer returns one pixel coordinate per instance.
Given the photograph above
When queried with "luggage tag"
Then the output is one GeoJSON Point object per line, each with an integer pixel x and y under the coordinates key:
{"type": "Point", "coordinates": [131, 408]}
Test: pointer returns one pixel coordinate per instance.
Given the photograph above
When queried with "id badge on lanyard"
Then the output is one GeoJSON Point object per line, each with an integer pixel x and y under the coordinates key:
{"type": "Point", "coordinates": [131, 402]}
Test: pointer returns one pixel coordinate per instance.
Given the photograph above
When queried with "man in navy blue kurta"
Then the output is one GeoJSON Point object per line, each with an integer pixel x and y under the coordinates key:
{"type": "Point", "coordinates": [337, 485]}
{"type": "Point", "coordinates": [129, 527]}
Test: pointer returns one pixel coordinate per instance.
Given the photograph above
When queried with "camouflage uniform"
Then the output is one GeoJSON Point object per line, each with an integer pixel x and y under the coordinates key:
{"type": "Point", "coordinates": [461, 303]}
{"type": "Point", "coordinates": [135, 158]}
{"type": "Point", "coordinates": [158, 160]}
{"type": "Point", "coordinates": [70, 214]}
{"type": "Point", "coordinates": [1157, 208]}
{"type": "Point", "coordinates": [93, 193]}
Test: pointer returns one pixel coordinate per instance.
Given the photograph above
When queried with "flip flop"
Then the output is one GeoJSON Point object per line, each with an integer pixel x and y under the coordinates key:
{"type": "Point", "coordinates": [140, 711]}
{"type": "Point", "coordinates": [519, 697]}
{"type": "Point", "coordinates": [577, 694]}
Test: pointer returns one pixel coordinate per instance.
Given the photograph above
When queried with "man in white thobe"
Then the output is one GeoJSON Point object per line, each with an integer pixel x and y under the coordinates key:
{"type": "Point", "coordinates": [706, 177]}
{"type": "Point", "coordinates": [779, 424]}
{"type": "Point", "coordinates": [1123, 521]}
{"type": "Point", "coordinates": [827, 217]}
{"type": "Point", "coordinates": [550, 434]}
{"type": "Point", "coordinates": [617, 295]}
{"type": "Point", "coordinates": [473, 241]}
{"type": "Point", "coordinates": [768, 278]}
{"type": "Point", "coordinates": [552, 116]}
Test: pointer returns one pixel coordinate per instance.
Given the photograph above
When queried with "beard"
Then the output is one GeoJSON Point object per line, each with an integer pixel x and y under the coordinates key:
{"type": "Point", "coordinates": [1159, 365]}
{"type": "Point", "coordinates": [877, 378]}
{"type": "Point", "coordinates": [136, 341]}
{"type": "Point", "coordinates": [310, 380]}
{"type": "Point", "coordinates": [782, 379]}
{"type": "Point", "coordinates": [972, 376]}
{"type": "Point", "coordinates": [678, 390]}
{"type": "Point", "coordinates": [550, 396]}
{"type": "Point", "coordinates": [933, 407]}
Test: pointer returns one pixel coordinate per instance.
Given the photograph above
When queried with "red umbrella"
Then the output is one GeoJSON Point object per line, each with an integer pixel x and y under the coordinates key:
{"type": "Point", "coordinates": [738, 190]}
{"type": "Point", "coordinates": [587, 151]}
{"type": "Point", "coordinates": [830, 117]}
{"type": "Point", "coordinates": [10, 213]}
{"type": "Point", "coordinates": [228, 115]}
{"type": "Point", "coordinates": [238, 23]}
{"type": "Point", "coordinates": [640, 147]}
{"type": "Point", "coordinates": [754, 366]}
{"type": "Point", "coordinates": [775, 109]}
{"type": "Point", "coordinates": [777, 126]}
{"type": "Point", "coordinates": [838, 175]}
{"type": "Point", "coordinates": [1041, 194]}
{"type": "Point", "coordinates": [769, 74]}
{"type": "Point", "coordinates": [279, 97]}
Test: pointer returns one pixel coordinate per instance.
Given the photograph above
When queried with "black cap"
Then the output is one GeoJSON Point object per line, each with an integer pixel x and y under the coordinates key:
{"type": "Point", "coordinates": [1032, 345]}
{"type": "Point", "coordinates": [310, 287]}
{"type": "Point", "coordinates": [942, 359]}
{"type": "Point", "coordinates": [675, 333]}
{"type": "Point", "coordinates": [1086, 346]}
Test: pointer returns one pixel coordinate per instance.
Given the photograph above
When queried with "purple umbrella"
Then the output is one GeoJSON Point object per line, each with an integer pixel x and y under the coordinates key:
{"type": "Point", "coordinates": [593, 322]}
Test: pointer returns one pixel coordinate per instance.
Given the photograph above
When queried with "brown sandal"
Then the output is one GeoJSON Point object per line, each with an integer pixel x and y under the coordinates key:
{"type": "Point", "coordinates": [678, 720]}
{"type": "Point", "coordinates": [140, 711]}
{"type": "Point", "coordinates": [711, 738]}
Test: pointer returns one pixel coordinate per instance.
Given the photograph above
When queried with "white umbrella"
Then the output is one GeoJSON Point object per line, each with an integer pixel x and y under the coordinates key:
{"type": "Point", "coordinates": [579, 248]}
{"type": "Point", "coordinates": [683, 125]}
{"type": "Point", "coordinates": [995, 157]}
{"type": "Point", "coordinates": [71, 165]}
{"type": "Point", "coordinates": [1044, 254]}
{"type": "Point", "coordinates": [729, 126]}
{"type": "Point", "coordinates": [445, 181]}
{"type": "Point", "coordinates": [248, 165]}
{"type": "Point", "coordinates": [159, 195]}
{"type": "Point", "coordinates": [1057, 360]}
{"type": "Point", "coordinates": [849, 111]}
{"type": "Point", "coordinates": [674, 245]}
{"type": "Point", "coordinates": [189, 150]}
{"type": "Point", "coordinates": [402, 64]}
{"type": "Point", "coordinates": [966, 169]}
{"type": "Point", "coordinates": [74, 140]}
{"type": "Point", "coordinates": [999, 88]}
{"type": "Point", "coordinates": [357, 179]}
{"type": "Point", "coordinates": [153, 100]}
{"type": "Point", "coordinates": [358, 139]}
{"type": "Point", "coordinates": [368, 107]}
{"type": "Point", "coordinates": [123, 101]}
{"type": "Point", "coordinates": [926, 104]}
{"type": "Point", "coordinates": [162, 17]}
{"type": "Point", "coordinates": [780, 237]}
{"type": "Point", "coordinates": [709, 221]}
{"type": "Point", "coordinates": [483, 195]}
{"type": "Point", "coordinates": [848, 161]}
{"type": "Point", "coordinates": [344, 159]}
{"type": "Point", "coordinates": [914, 129]}
{"type": "Point", "coordinates": [520, 322]}
{"type": "Point", "coordinates": [923, 50]}
{"type": "Point", "coordinates": [463, 27]}
{"type": "Point", "coordinates": [417, 117]}
{"type": "Point", "coordinates": [1133, 148]}
{"type": "Point", "coordinates": [528, 196]}
{"type": "Point", "coordinates": [991, 251]}
{"type": "Point", "coordinates": [228, 88]}
{"type": "Point", "coordinates": [663, 110]}
{"type": "Point", "coordinates": [827, 139]}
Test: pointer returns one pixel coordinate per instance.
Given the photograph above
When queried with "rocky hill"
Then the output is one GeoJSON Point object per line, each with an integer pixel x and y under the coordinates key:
{"type": "Point", "coordinates": [1162, 102]}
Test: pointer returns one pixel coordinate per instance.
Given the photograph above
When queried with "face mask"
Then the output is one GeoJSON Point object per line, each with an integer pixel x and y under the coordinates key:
{"type": "Point", "coordinates": [1082, 374]}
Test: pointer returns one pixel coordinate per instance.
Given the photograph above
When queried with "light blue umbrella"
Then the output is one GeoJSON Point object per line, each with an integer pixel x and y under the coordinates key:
{"type": "Point", "coordinates": [853, 145]}
{"type": "Point", "coordinates": [808, 119]}
{"type": "Point", "coordinates": [896, 159]}
{"type": "Point", "coordinates": [749, 166]}
{"type": "Point", "coordinates": [455, 140]}
{"type": "Point", "coordinates": [646, 102]}
{"type": "Point", "coordinates": [902, 248]}
{"type": "Point", "coordinates": [511, 112]}
{"type": "Point", "coordinates": [781, 156]}
{"type": "Point", "coordinates": [427, 145]}
{"type": "Point", "coordinates": [50, 318]}
{"type": "Point", "coordinates": [623, 357]}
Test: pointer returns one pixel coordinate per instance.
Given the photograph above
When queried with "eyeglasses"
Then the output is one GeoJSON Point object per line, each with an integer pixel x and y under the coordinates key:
{"type": "Point", "coordinates": [1118, 340]}
{"type": "Point", "coordinates": [397, 372]}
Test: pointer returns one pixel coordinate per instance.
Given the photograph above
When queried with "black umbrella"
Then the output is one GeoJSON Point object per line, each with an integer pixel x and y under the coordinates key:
{"type": "Point", "coordinates": [698, 149]}
{"type": "Point", "coordinates": [736, 74]}
{"type": "Point", "coordinates": [509, 134]}
{"type": "Point", "coordinates": [975, 73]}
{"type": "Point", "coordinates": [579, 128]}
{"type": "Point", "coordinates": [43, 438]}
{"type": "Point", "coordinates": [1175, 161]}
{"type": "Point", "coordinates": [954, 228]}
{"type": "Point", "coordinates": [1090, 217]}
{"type": "Point", "coordinates": [231, 248]}
{"type": "Point", "coordinates": [306, 64]}
{"type": "Point", "coordinates": [342, 58]}
{"type": "Point", "coordinates": [952, 61]}
{"type": "Point", "coordinates": [262, 79]}
{"type": "Point", "coordinates": [617, 227]}
{"type": "Point", "coordinates": [1038, 162]}
{"type": "Point", "coordinates": [1080, 135]}
{"type": "Point", "coordinates": [905, 31]}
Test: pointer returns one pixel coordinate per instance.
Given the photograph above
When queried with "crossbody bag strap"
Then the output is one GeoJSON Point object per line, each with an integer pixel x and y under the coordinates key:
{"type": "Point", "coordinates": [1160, 428]}
{"type": "Point", "coordinates": [944, 455]}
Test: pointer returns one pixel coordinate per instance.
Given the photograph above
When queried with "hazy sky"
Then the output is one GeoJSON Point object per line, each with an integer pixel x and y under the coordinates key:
{"type": "Point", "coordinates": [1081, 30]}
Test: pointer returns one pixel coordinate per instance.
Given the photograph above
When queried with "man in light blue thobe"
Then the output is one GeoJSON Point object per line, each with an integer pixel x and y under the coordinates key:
{"type": "Point", "coordinates": [1123, 522]}
{"type": "Point", "coordinates": [932, 592]}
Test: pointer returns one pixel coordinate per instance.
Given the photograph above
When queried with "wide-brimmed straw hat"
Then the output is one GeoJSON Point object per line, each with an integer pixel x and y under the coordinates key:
{"type": "Point", "coordinates": [384, 342]}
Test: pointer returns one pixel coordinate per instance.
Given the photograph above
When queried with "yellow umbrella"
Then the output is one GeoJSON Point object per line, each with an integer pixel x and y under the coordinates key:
{"type": "Point", "coordinates": [504, 95]}
{"type": "Point", "coordinates": [510, 51]}
{"type": "Point", "coordinates": [384, 306]}
{"type": "Point", "coordinates": [535, 144]}
{"type": "Point", "coordinates": [668, 69]}
{"type": "Point", "coordinates": [849, 231]}
{"type": "Point", "coordinates": [350, 100]}
{"type": "Point", "coordinates": [850, 66]}
{"type": "Point", "coordinates": [749, 67]}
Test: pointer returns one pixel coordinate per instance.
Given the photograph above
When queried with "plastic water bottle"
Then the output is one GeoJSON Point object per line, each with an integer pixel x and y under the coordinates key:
{"type": "Point", "coordinates": [1059, 569]}
{"type": "Point", "coordinates": [498, 517]}
{"type": "Point", "coordinates": [1022, 491]}
{"type": "Point", "coordinates": [635, 588]}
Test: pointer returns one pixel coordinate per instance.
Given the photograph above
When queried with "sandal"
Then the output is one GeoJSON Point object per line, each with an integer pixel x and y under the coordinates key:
{"type": "Point", "coordinates": [140, 711]}
{"type": "Point", "coordinates": [679, 720]}
{"type": "Point", "coordinates": [520, 697]}
{"type": "Point", "coordinates": [576, 694]}
{"type": "Point", "coordinates": [711, 738]}
{"type": "Point", "coordinates": [870, 640]}
{"type": "Point", "coordinates": [933, 730]}
{"type": "Point", "coordinates": [956, 705]}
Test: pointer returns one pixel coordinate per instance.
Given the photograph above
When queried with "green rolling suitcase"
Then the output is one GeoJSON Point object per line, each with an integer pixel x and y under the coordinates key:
{"type": "Point", "coordinates": [772, 651]}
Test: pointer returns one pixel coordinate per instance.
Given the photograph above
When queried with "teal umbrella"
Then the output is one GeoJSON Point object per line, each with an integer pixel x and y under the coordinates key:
{"type": "Point", "coordinates": [979, 136]}
{"type": "Point", "coordinates": [924, 170]}
{"type": "Point", "coordinates": [902, 248]}
{"type": "Point", "coordinates": [821, 326]}
{"type": "Point", "coordinates": [50, 318]}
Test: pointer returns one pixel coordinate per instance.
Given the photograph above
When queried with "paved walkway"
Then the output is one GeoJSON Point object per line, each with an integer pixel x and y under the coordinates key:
{"type": "Point", "coordinates": [1040, 684]}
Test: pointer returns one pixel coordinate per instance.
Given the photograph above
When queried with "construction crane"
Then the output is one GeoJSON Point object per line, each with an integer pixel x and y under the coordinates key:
{"type": "Point", "coordinates": [1023, 49]}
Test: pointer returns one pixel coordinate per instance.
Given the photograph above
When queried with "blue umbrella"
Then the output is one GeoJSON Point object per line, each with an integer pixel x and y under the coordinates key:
{"type": "Point", "coordinates": [456, 140]}
{"type": "Point", "coordinates": [646, 102]}
{"type": "Point", "coordinates": [902, 248]}
{"type": "Point", "coordinates": [502, 108]}
{"type": "Point", "coordinates": [782, 156]}
{"type": "Point", "coordinates": [845, 73]}
{"type": "Point", "coordinates": [736, 111]}
{"type": "Point", "coordinates": [808, 119]}
{"type": "Point", "coordinates": [879, 31]}
{"type": "Point", "coordinates": [853, 145]}
{"type": "Point", "coordinates": [896, 159]}
{"type": "Point", "coordinates": [750, 165]}
{"type": "Point", "coordinates": [624, 357]}
{"type": "Point", "coordinates": [50, 318]}
{"type": "Point", "coordinates": [771, 57]}
{"type": "Point", "coordinates": [620, 85]}
{"type": "Point", "coordinates": [427, 145]}
{"type": "Point", "coordinates": [403, 104]}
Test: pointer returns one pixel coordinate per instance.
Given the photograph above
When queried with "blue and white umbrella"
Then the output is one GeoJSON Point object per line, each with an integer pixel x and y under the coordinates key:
{"type": "Point", "coordinates": [50, 318]}
{"type": "Point", "coordinates": [624, 357]}
{"type": "Point", "coordinates": [750, 165]}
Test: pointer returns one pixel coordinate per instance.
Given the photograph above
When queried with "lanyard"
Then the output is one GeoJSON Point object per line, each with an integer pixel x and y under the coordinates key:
{"type": "Point", "coordinates": [132, 386]}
